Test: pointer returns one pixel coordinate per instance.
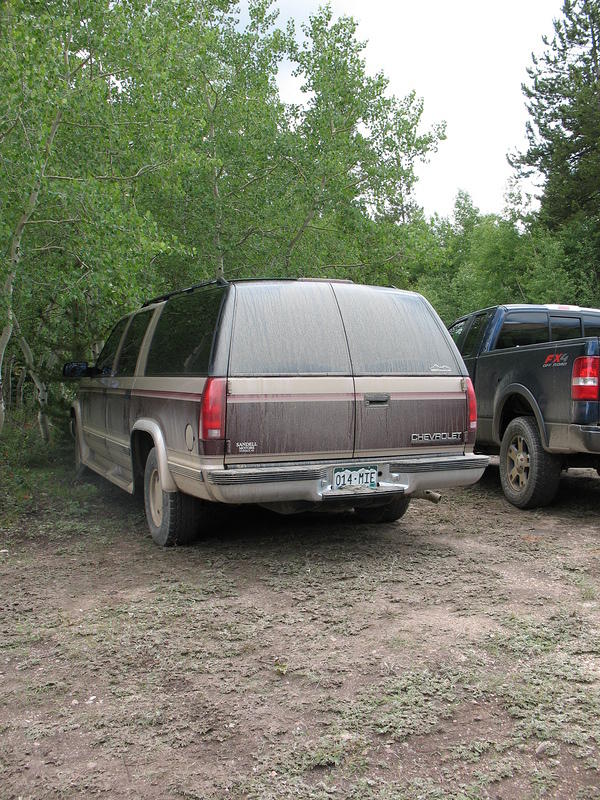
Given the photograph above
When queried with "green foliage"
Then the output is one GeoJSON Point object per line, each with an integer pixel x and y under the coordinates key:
{"type": "Point", "coordinates": [144, 146]}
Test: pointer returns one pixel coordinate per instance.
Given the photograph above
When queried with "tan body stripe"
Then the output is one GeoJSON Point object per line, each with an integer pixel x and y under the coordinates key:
{"type": "Point", "coordinates": [330, 396]}
{"type": "Point", "coordinates": [289, 398]}
{"type": "Point", "coordinates": [196, 396]}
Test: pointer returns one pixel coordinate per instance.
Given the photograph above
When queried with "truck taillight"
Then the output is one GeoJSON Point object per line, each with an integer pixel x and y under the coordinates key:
{"type": "Point", "coordinates": [212, 410]}
{"type": "Point", "coordinates": [471, 407]}
{"type": "Point", "coordinates": [585, 380]}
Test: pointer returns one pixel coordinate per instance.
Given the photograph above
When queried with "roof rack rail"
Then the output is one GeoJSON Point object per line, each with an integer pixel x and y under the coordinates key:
{"type": "Point", "coordinates": [326, 280]}
{"type": "Point", "coordinates": [161, 298]}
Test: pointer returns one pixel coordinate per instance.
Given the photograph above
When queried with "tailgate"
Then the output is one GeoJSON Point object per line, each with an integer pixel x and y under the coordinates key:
{"type": "Point", "coordinates": [396, 414]}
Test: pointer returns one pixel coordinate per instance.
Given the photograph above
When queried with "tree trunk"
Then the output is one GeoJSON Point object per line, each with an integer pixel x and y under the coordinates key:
{"type": "Point", "coordinates": [14, 254]}
{"type": "Point", "coordinates": [41, 389]}
{"type": "Point", "coordinates": [21, 387]}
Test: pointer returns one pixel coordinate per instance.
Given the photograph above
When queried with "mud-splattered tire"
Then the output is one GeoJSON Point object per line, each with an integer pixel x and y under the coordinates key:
{"type": "Point", "coordinates": [390, 512]}
{"type": "Point", "coordinates": [528, 474]}
{"type": "Point", "coordinates": [173, 517]}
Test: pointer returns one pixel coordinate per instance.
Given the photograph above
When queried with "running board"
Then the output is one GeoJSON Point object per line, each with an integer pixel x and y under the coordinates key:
{"type": "Point", "coordinates": [115, 474]}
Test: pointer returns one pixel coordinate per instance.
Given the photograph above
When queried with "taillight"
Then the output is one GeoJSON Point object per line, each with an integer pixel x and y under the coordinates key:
{"type": "Point", "coordinates": [584, 383]}
{"type": "Point", "coordinates": [471, 407]}
{"type": "Point", "coordinates": [212, 410]}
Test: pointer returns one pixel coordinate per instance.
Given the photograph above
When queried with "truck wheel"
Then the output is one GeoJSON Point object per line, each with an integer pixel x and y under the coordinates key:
{"type": "Point", "coordinates": [529, 475]}
{"type": "Point", "coordinates": [173, 517]}
{"type": "Point", "coordinates": [389, 512]}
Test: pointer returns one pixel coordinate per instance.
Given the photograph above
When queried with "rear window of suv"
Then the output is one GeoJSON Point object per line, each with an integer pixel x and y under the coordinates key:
{"type": "Point", "coordinates": [183, 339]}
{"type": "Point", "coordinates": [288, 329]}
{"type": "Point", "coordinates": [394, 333]}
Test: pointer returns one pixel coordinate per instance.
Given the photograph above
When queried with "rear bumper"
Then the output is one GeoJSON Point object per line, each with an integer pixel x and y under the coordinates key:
{"type": "Point", "coordinates": [313, 482]}
{"type": "Point", "coordinates": [584, 438]}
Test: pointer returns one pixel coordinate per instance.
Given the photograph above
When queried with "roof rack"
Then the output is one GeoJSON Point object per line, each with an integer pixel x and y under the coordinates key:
{"type": "Point", "coordinates": [222, 282]}
{"type": "Point", "coordinates": [161, 298]}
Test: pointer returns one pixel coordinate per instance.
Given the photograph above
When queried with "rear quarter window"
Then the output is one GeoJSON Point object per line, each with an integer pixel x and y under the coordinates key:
{"type": "Point", "coordinates": [394, 333]}
{"type": "Point", "coordinates": [287, 329]}
{"type": "Point", "coordinates": [184, 334]}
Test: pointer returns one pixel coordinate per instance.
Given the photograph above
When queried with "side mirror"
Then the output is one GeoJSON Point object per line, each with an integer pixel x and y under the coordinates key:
{"type": "Point", "coordinates": [75, 369]}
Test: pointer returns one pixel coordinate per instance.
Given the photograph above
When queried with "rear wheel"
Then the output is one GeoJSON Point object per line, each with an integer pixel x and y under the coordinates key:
{"type": "Point", "coordinates": [173, 517]}
{"type": "Point", "coordinates": [389, 512]}
{"type": "Point", "coordinates": [529, 475]}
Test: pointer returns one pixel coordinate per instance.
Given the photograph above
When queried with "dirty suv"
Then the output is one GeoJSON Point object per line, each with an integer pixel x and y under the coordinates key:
{"type": "Point", "coordinates": [292, 394]}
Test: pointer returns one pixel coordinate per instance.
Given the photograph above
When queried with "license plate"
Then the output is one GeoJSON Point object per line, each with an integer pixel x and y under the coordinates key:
{"type": "Point", "coordinates": [355, 477]}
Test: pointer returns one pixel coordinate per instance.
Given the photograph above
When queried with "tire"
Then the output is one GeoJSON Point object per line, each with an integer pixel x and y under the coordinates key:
{"type": "Point", "coordinates": [529, 475]}
{"type": "Point", "coordinates": [173, 517]}
{"type": "Point", "coordinates": [390, 512]}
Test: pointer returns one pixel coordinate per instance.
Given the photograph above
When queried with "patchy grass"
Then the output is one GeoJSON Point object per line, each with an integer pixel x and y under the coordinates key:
{"type": "Point", "coordinates": [454, 655]}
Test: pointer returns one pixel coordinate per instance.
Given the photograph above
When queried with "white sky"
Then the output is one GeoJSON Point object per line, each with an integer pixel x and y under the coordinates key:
{"type": "Point", "coordinates": [467, 59]}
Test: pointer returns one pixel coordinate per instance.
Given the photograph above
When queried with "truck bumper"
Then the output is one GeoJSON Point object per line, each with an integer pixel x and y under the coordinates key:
{"type": "Point", "coordinates": [584, 438]}
{"type": "Point", "coordinates": [313, 483]}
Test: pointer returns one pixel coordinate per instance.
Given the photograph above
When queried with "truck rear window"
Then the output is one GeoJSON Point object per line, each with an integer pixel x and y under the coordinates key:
{"type": "Point", "coordinates": [287, 329]}
{"type": "Point", "coordinates": [394, 333]}
{"type": "Point", "coordinates": [182, 341]}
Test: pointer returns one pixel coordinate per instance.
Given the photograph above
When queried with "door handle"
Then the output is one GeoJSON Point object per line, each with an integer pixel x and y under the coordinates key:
{"type": "Point", "coordinates": [380, 399]}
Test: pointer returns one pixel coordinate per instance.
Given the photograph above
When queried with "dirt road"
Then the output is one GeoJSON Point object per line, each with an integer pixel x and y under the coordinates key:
{"type": "Point", "coordinates": [454, 654]}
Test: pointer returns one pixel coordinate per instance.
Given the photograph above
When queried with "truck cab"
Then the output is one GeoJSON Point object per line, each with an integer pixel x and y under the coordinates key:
{"type": "Point", "coordinates": [539, 364]}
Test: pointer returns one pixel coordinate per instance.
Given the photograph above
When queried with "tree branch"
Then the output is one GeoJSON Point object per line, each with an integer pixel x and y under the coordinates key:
{"type": "Point", "coordinates": [147, 168]}
{"type": "Point", "coordinates": [51, 221]}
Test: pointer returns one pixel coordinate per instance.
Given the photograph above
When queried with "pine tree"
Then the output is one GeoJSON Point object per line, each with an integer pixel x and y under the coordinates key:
{"type": "Point", "coordinates": [563, 100]}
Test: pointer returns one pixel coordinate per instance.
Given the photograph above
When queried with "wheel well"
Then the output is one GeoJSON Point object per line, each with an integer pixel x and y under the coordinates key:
{"type": "Point", "coordinates": [141, 444]}
{"type": "Point", "coordinates": [515, 406]}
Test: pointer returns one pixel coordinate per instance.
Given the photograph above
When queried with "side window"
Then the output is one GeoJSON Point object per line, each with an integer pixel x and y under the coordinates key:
{"type": "Point", "coordinates": [565, 328]}
{"type": "Point", "coordinates": [109, 351]}
{"type": "Point", "coordinates": [521, 328]}
{"type": "Point", "coordinates": [475, 335]}
{"type": "Point", "coordinates": [132, 343]}
{"type": "Point", "coordinates": [457, 330]}
{"type": "Point", "coordinates": [183, 338]}
{"type": "Point", "coordinates": [592, 325]}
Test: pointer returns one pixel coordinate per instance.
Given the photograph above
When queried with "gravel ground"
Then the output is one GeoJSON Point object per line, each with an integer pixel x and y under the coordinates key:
{"type": "Point", "coordinates": [453, 654]}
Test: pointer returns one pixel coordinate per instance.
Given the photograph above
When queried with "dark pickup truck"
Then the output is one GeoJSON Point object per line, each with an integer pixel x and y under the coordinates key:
{"type": "Point", "coordinates": [536, 373]}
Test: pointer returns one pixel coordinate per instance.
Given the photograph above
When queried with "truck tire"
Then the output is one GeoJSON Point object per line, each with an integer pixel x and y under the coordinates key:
{"type": "Point", "coordinates": [529, 475]}
{"type": "Point", "coordinates": [173, 517]}
{"type": "Point", "coordinates": [390, 512]}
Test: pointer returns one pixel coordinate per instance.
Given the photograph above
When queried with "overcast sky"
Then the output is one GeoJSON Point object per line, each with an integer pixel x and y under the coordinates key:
{"type": "Point", "coordinates": [467, 59]}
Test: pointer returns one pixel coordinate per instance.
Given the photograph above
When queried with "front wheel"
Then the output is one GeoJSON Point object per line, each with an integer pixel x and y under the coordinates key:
{"type": "Point", "coordinates": [173, 517]}
{"type": "Point", "coordinates": [529, 475]}
{"type": "Point", "coordinates": [390, 512]}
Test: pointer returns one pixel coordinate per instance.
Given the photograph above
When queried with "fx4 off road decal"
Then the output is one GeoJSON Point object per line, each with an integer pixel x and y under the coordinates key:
{"type": "Point", "coordinates": [556, 360]}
